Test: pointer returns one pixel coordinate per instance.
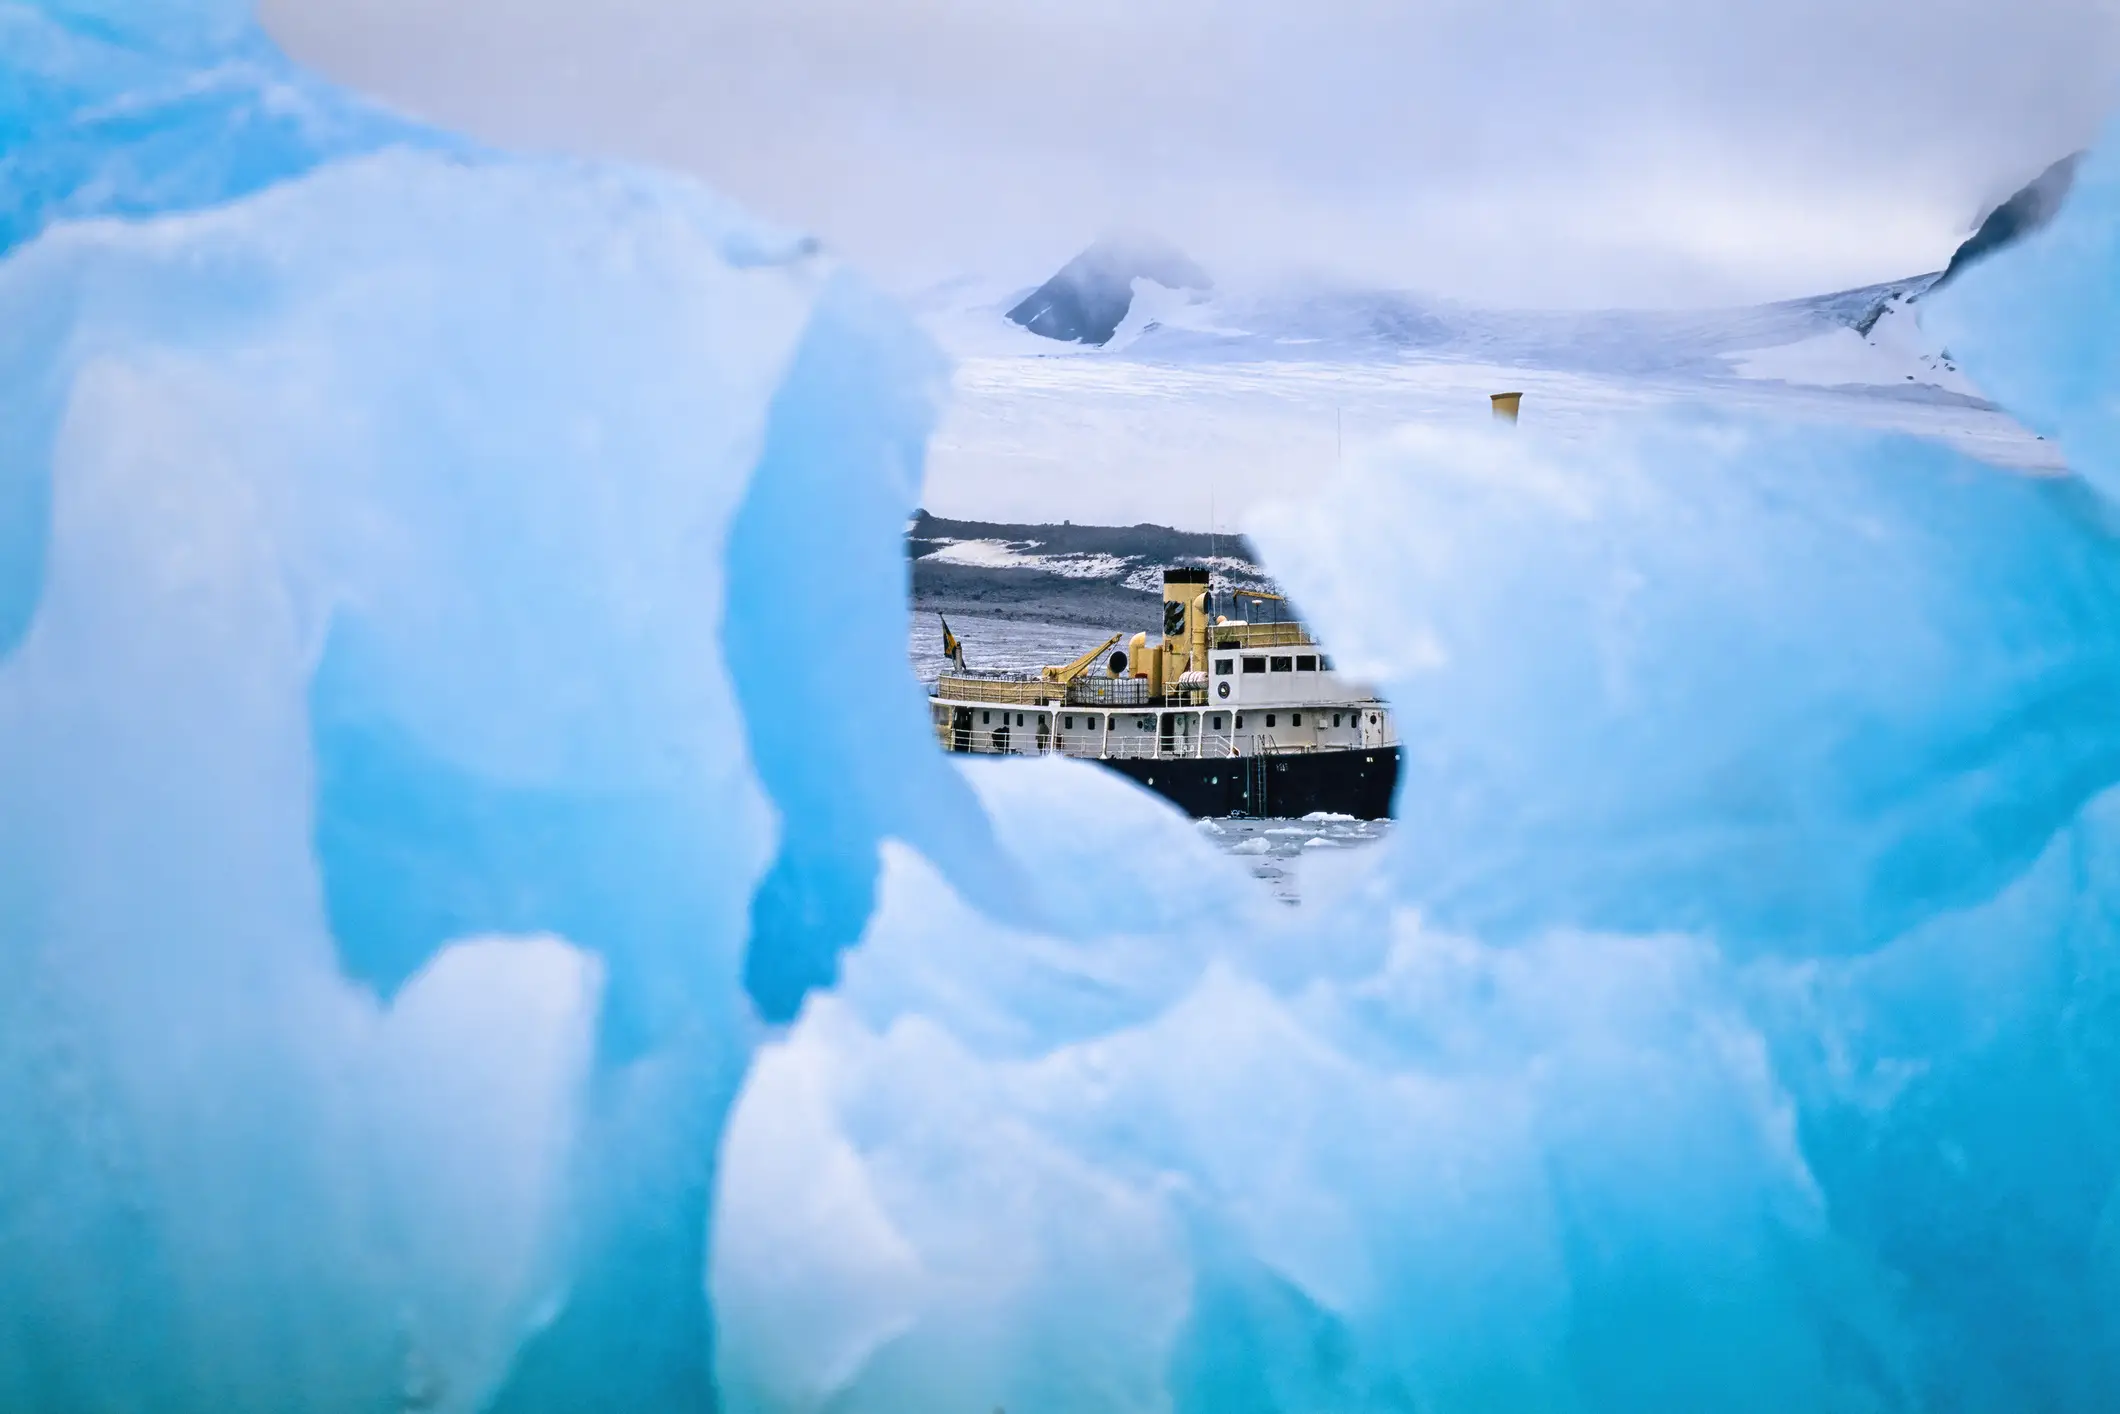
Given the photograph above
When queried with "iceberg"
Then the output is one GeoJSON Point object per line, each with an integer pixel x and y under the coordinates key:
{"type": "Point", "coordinates": [456, 955]}
{"type": "Point", "coordinates": [387, 861]}
{"type": "Point", "coordinates": [1726, 1023]}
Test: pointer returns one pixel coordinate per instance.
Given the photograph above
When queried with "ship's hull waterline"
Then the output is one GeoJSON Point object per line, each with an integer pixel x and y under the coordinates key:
{"type": "Point", "coordinates": [1357, 782]}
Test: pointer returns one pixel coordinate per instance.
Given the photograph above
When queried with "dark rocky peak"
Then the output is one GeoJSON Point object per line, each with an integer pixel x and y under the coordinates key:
{"type": "Point", "coordinates": [2033, 206]}
{"type": "Point", "coordinates": [1086, 299]}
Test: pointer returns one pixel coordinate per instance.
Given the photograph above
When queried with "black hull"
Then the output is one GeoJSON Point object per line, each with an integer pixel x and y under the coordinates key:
{"type": "Point", "coordinates": [1355, 782]}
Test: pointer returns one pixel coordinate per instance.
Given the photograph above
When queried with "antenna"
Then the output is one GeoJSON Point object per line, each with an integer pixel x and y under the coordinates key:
{"type": "Point", "coordinates": [1213, 550]}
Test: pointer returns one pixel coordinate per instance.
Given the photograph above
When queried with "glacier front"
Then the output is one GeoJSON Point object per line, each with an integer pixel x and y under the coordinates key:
{"type": "Point", "coordinates": [446, 963]}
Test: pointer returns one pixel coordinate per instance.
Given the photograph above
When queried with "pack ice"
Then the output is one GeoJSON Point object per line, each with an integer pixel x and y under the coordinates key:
{"type": "Point", "coordinates": [443, 965]}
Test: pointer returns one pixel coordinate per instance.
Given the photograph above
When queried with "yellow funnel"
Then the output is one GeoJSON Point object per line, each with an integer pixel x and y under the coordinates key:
{"type": "Point", "coordinates": [1506, 405]}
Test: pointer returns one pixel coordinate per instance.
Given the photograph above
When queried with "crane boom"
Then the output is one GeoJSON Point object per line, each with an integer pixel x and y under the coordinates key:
{"type": "Point", "coordinates": [1068, 672]}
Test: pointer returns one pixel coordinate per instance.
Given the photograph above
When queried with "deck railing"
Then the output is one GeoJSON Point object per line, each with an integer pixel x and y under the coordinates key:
{"type": "Point", "coordinates": [1026, 691]}
{"type": "Point", "coordinates": [1015, 689]}
{"type": "Point", "coordinates": [1238, 637]}
{"type": "Point", "coordinates": [1092, 746]}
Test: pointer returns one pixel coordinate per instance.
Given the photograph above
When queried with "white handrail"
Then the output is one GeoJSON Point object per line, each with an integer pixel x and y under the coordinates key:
{"type": "Point", "coordinates": [1023, 741]}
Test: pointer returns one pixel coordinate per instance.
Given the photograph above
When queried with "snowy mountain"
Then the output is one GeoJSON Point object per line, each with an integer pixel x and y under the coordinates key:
{"type": "Point", "coordinates": [1102, 301]}
{"type": "Point", "coordinates": [1133, 384]}
{"type": "Point", "coordinates": [1088, 298]}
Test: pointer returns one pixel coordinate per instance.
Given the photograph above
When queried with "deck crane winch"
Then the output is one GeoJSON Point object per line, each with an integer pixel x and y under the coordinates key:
{"type": "Point", "coordinates": [1068, 672]}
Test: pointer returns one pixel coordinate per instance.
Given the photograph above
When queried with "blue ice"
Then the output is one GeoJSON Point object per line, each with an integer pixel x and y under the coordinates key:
{"type": "Point", "coordinates": [444, 963]}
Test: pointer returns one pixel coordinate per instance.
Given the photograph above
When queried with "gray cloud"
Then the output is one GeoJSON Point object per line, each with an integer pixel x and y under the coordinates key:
{"type": "Point", "coordinates": [1628, 151]}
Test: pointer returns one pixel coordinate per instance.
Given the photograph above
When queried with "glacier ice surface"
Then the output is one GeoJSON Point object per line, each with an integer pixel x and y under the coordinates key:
{"type": "Point", "coordinates": [453, 957]}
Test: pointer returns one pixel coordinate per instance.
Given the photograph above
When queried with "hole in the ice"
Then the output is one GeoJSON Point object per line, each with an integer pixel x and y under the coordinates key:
{"type": "Point", "coordinates": [1173, 628]}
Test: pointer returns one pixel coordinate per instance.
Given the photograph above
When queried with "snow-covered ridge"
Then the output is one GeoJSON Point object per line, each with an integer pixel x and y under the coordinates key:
{"type": "Point", "coordinates": [1064, 572]}
{"type": "Point", "coordinates": [1004, 554]}
{"type": "Point", "coordinates": [1887, 349]}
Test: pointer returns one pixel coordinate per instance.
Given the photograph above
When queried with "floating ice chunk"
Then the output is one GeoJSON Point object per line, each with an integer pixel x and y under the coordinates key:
{"type": "Point", "coordinates": [365, 581]}
{"type": "Point", "coordinates": [1370, 1188]}
{"type": "Point", "coordinates": [1257, 844]}
{"type": "Point", "coordinates": [1862, 735]}
{"type": "Point", "coordinates": [1322, 816]}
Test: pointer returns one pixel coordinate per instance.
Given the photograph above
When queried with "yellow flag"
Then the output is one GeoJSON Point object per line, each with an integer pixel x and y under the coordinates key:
{"type": "Point", "coordinates": [951, 648]}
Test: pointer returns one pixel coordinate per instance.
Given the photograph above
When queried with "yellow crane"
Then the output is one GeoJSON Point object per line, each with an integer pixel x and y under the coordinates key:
{"type": "Point", "coordinates": [1068, 672]}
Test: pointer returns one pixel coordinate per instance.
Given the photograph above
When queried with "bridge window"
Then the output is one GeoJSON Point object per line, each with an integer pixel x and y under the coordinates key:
{"type": "Point", "coordinates": [1324, 663]}
{"type": "Point", "coordinates": [1223, 666]}
{"type": "Point", "coordinates": [1254, 665]}
{"type": "Point", "coordinates": [1306, 662]}
{"type": "Point", "coordinates": [1227, 643]}
{"type": "Point", "coordinates": [1284, 665]}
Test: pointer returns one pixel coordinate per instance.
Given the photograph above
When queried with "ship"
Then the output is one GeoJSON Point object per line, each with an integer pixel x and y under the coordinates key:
{"type": "Point", "coordinates": [1237, 711]}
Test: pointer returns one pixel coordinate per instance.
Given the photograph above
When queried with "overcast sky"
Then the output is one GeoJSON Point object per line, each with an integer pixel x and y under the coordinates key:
{"type": "Point", "coordinates": [1536, 152]}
